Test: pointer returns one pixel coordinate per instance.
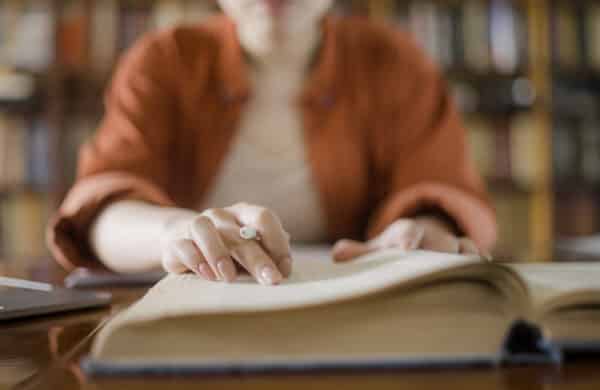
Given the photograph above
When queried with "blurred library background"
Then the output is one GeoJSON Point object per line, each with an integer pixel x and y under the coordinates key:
{"type": "Point", "coordinates": [525, 73]}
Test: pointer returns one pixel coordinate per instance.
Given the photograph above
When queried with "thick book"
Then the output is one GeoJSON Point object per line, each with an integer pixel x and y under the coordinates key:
{"type": "Point", "coordinates": [389, 309]}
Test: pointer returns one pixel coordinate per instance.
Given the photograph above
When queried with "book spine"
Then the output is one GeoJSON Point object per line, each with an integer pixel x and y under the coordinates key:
{"type": "Point", "coordinates": [566, 36]}
{"type": "Point", "coordinates": [476, 33]}
{"type": "Point", "coordinates": [564, 150]}
{"type": "Point", "coordinates": [32, 28]}
{"type": "Point", "coordinates": [103, 36]}
{"type": "Point", "coordinates": [592, 28]}
{"type": "Point", "coordinates": [503, 36]}
{"type": "Point", "coordinates": [523, 140]}
{"type": "Point", "coordinates": [445, 30]}
{"type": "Point", "coordinates": [72, 37]}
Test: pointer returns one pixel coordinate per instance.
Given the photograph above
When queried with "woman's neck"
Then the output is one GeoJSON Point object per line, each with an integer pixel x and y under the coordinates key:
{"type": "Point", "coordinates": [294, 50]}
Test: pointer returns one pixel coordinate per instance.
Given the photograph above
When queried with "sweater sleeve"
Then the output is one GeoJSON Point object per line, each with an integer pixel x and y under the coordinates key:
{"type": "Point", "coordinates": [129, 155]}
{"type": "Point", "coordinates": [421, 154]}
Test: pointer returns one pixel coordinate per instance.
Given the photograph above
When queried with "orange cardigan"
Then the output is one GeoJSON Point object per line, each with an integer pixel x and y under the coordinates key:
{"type": "Point", "coordinates": [383, 137]}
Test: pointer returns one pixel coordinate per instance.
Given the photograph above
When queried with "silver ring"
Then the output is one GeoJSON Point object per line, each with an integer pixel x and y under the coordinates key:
{"type": "Point", "coordinates": [249, 233]}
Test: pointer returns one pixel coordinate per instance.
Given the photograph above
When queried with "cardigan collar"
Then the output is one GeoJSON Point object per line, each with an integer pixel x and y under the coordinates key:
{"type": "Point", "coordinates": [233, 72]}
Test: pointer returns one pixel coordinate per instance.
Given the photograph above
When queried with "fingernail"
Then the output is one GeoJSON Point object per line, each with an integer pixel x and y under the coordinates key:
{"type": "Point", "coordinates": [269, 276]}
{"type": "Point", "coordinates": [227, 270]}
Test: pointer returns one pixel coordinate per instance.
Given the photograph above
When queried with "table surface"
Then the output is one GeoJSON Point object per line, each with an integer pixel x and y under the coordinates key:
{"type": "Point", "coordinates": [44, 353]}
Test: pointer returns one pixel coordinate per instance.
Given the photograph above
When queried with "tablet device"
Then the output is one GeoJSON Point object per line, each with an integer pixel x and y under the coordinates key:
{"type": "Point", "coordinates": [23, 298]}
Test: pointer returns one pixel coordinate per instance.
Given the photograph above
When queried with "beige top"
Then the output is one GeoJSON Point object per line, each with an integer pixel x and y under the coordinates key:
{"type": "Point", "coordinates": [266, 164]}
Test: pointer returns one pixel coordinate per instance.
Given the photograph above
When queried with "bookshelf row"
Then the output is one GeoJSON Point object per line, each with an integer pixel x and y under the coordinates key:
{"type": "Point", "coordinates": [473, 37]}
{"type": "Point", "coordinates": [511, 65]}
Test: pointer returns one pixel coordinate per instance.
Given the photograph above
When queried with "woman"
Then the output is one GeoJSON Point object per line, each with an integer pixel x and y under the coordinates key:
{"type": "Point", "coordinates": [221, 141]}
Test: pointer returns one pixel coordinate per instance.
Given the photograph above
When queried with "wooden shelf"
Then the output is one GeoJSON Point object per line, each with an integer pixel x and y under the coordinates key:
{"type": "Point", "coordinates": [22, 189]}
{"type": "Point", "coordinates": [508, 185]}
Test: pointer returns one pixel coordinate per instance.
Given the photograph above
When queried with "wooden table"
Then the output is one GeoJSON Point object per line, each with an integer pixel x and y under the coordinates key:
{"type": "Point", "coordinates": [44, 352]}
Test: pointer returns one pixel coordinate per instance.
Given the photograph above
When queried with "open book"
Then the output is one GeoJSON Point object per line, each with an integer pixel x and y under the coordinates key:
{"type": "Point", "coordinates": [389, 308]}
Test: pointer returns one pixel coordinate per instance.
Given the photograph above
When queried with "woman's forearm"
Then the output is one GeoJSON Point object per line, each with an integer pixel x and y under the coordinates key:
{"type": "Point", "coordinates": [127, 235]}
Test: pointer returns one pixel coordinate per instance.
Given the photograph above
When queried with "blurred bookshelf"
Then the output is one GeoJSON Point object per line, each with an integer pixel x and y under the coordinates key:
{"type": "Point", "coordinates": [525, 74]}
{"type": "Point", "coordinates": [496, 57]}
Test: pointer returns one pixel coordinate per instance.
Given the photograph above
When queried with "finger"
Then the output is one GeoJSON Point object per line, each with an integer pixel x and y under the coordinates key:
{"type": "Point", "coordinates": [188, 254]}
{"type": "Point", "coordinates": [177, 260]}
{"type": "Point", "coordinates": [274, 238]}
{"type": "Point", "coordinates": [467, 246]}
{"type": "Point", "coordinates": [257, 262]}
{"type": "Point", "coordinates": [226, 224]}
{"type": "Point", "coordinates": [439, 241]}
{"type": "Point", "coordinates": [345, 250]}
{"type": "Point", "coordinates": [207, 239]}
{"type": "Point", "coordinates": [171, 262]}
{"type": "Point", "coordinates": [402, 234]}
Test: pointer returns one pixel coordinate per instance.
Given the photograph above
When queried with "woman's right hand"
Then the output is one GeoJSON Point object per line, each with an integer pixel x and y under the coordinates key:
{"type": "Point", "coordinates": [209, 244]}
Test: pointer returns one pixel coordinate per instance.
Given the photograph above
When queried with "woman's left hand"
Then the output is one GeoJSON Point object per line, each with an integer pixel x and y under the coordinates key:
{"type": "Point", "coordinates": [427, 232]}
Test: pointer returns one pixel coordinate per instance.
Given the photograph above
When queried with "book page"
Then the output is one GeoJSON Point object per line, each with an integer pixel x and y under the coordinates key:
{"type": "Point", "coordinates": [557, 285]}
{"type": "Point", "coordinates": [315, 280]}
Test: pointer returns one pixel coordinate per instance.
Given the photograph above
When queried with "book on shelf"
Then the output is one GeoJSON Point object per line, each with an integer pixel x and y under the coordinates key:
{"type": "Point", "coordinates": [12, 151]}
{"type": "Point", "coordinates": [24, 153]}
{"type": "Point", "coordinates": [78, 130]}
{"type": "Point", "coordinates": [576, 151]}
{"type": "Point", "coordinates": [503, 164]}
{"type": "Point", "coordinates": [565, 37]}
{"type": "Point", "coordinates": [590, 150]}
{"type": "Point", "coordinates": [39, 171]}
{"type": "Point", "coordinates": [480, 36]}
{"type": "Point", "coordinates": [494, 95]}
{"type": "Point", "coordinates": [524, 144]}
{"type": "Point", "coordinates": [574, 99]}
{"type": "Point", "coordinates": [565, 150]}
{"type": "Point", "coordinates": [576, 35]}
{"type": "Point", "coordinates": [476, 35]}
{"type": "Point", "coordinates": [23, 216]}
{"type": "Point", "coordinates": [26, 35]}
{"type": "Point", "coordinates": [104, 31]}
{"type": "Point", "coordinates": [504, 147]}
{"type": "Point", "coordinates": [72, 46]}
{"type": "Point", "coordinates": [577, 210]}
{"type": "Point", "coordinates": [506, 36]}
{"type": "Point", "coordinates": [480, 133]}
{"type": "Point", "coordinates": [16, 87]}
{"type": "Point", "coordinates": [412, 309]}
{"type": "Point", "coordinates": [592, 32]}
{"type": "Point", "coordinates": [423, 23]}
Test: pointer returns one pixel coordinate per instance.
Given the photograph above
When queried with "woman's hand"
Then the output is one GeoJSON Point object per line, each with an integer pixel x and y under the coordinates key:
{"type": "Point", "coordinates": [210, 245]}
{"type": "Point", "coordinates": [428, 232]}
